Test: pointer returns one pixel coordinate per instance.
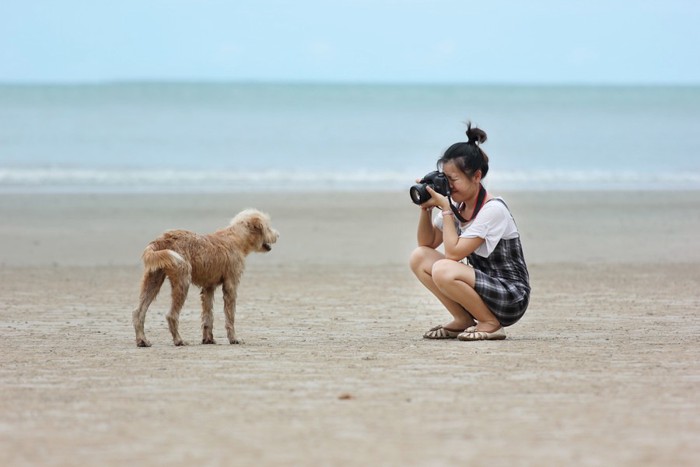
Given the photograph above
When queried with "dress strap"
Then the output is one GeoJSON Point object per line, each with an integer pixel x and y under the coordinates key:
{"type": "Point", "coordinates": [507, 208]}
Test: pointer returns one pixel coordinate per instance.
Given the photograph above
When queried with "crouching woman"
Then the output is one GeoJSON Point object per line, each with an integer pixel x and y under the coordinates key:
{"type": "Point", "coordinates": [481, 279]}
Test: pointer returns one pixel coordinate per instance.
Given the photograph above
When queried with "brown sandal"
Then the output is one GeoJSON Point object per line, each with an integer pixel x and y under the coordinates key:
{"type": "Point", "coordinates": [471, 334]}
{"type": "Point", "coordinates": [439, 332]}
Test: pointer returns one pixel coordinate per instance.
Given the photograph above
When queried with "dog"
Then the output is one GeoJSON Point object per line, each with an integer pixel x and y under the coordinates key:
{"type": "Point", "coordinates": [207, 261]}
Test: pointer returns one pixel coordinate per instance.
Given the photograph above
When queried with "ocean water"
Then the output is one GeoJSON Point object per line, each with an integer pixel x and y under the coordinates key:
{"type": "Point", "coordinates": [230, 136]}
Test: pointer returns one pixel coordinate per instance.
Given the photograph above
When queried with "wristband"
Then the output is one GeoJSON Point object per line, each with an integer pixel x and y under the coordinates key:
{"type": "Point", "coordinates": [447, 213]}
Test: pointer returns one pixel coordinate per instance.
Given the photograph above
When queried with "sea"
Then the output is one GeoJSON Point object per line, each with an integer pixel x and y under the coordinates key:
{"type": "Point", "coordinates": [222, 137]}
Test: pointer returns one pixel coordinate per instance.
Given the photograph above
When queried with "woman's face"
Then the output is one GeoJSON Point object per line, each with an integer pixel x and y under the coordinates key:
{"type": "Point", "coordinates": [462, 187]}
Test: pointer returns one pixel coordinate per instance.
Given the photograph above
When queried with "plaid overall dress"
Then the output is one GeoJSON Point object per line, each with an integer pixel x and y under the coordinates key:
{"type": "Point", "coordinates": [502, 279]}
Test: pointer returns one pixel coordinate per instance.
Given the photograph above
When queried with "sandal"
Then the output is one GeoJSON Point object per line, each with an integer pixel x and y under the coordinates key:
{"type": "Point", "coordinates": [439, 332]}
{"type": "Point", "coordinates": [471, 334]}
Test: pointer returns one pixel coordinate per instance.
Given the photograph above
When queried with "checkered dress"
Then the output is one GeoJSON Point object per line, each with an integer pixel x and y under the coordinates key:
{"type": "Point", "coordinates": [502, 280]}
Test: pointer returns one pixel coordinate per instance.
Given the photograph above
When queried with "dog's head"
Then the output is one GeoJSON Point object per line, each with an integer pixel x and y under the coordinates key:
{"type": "Point", "coordinates": [262, 235]}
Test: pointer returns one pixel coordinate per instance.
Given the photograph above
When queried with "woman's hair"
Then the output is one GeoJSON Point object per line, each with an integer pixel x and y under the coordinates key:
{"type": "Point", "coordinates": [468, 157]}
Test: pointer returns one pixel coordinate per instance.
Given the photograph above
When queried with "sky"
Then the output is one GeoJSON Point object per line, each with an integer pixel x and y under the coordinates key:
{"type": "Point", "coordinates": [386, 41]}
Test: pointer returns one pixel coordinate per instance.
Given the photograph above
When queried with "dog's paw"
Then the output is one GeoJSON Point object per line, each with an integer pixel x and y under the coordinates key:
{"type": "Point", "coordinates": [235, 341]}
{"type": "Point", "coordinates": [208, 340]}
{"type": "Point", "coordinates": [143, 343]}
{"type": "Point", "coordinates": [180, 343]}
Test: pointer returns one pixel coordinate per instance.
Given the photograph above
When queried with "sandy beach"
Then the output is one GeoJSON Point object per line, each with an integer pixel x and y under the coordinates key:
{"type": "Point", "coordinates": [604, 369]}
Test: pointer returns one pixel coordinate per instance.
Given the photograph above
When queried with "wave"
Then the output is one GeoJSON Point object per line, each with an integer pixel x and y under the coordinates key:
{"type": "Point", "coordinates": [140, 180]}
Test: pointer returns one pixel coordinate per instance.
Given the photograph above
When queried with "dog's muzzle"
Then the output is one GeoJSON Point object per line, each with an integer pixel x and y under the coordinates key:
{"type": "Point", "coordinates": [267, 246]}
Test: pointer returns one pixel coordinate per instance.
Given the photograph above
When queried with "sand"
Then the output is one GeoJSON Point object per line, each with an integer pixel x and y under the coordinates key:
{"type": "Point", "coordinates": [602, 370]}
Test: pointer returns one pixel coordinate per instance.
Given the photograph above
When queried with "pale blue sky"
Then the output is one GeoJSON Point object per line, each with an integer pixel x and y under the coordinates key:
{"type": "Point", "coordinates": [487, 41]}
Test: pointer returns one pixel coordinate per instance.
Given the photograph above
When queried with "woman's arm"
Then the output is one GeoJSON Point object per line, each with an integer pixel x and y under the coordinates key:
{"type": "Point", "coordinates": [428, 234]}
{"type": "Point", "coordinates": [456, 247]}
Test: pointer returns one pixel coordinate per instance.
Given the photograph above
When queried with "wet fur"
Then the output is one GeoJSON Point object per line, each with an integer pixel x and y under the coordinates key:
{"type": "Point", "coordinates": [207, 261]}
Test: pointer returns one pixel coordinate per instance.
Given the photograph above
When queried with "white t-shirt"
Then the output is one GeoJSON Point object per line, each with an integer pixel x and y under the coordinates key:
{"type": "Point", "coordinates": [492, 223]}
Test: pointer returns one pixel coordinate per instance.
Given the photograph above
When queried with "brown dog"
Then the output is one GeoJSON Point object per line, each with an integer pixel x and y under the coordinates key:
{"type": "Point", "coordinates": [207, 261]}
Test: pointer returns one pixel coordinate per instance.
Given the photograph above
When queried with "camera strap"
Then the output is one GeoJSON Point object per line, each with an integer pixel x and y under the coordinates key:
{"type": "Point", "coordinates": [477, 207]}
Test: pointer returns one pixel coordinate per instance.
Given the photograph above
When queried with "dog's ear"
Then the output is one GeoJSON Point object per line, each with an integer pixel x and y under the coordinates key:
{"type": "Point", "coordinates": [255, 224]}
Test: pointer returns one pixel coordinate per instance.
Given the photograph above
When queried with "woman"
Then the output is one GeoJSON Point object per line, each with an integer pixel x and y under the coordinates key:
{"type": "Point", "coordinates": [482, 278]}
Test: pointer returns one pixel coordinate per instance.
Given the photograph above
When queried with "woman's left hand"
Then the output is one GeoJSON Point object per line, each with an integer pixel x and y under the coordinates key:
{"type": "Point", "coordinates": [436, 200]}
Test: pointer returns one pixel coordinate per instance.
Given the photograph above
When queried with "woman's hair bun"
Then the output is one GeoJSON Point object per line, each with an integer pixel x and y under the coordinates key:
{"type": "Point", "coordinates": [475, 135]}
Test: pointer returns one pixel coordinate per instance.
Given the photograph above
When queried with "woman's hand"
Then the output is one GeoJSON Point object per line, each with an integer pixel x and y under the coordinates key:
{"type": "Point", "coordinates": [428, 234]}
{"type": "Point", "coordinates": [436, 200]}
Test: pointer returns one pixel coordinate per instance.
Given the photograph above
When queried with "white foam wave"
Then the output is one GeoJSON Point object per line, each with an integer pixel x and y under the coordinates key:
{"type": "Point", "coordinates": [154, 179]}
{"type": "Point", "coordinates": [596, 179]}
{"type": "Point", "coordinates": [57, 179]}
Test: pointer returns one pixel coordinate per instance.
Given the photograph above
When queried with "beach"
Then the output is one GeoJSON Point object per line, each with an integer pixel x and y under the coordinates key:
{"type": "Point", "coordinates": [604, 368]}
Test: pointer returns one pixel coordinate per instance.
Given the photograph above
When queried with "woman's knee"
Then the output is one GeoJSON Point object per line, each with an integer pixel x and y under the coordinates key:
{"type": "Point", "coordinates": [444, 271]}
{"type": "Point", "coordinates": [421, 258]}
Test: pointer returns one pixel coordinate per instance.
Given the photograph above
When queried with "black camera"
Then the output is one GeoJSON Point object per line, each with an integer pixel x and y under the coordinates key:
{"type": "Point", "coordinates": [436, 180]}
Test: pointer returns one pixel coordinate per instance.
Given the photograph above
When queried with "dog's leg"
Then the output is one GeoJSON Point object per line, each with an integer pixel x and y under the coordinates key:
{"type": "Point", "coordinates": [230, 293]}
{"type": "Point", "coordinates": [150, 286]}
{"type": "Point", "coordinates": [180, 283]}
{"type": "Point", "coordinates": [207, 295]}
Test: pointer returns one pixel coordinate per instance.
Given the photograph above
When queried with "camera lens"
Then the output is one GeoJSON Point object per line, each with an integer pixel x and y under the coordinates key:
{"type": "Point", "coordinates": [419, 194]}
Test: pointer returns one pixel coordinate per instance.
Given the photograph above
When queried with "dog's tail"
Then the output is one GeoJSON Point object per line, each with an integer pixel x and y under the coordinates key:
{"type": "Point", "coordinates": [154, 259]}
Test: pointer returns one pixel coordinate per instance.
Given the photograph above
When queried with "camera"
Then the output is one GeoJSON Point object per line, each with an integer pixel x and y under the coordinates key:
{"type": "Point", "coordinates": [435, 180]}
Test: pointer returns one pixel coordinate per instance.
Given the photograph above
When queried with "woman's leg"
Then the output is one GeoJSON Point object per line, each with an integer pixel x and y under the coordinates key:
{"type": "Point", "coordinates": [422, 261]}
{"type": "Point", "coordinates": [456, 282]}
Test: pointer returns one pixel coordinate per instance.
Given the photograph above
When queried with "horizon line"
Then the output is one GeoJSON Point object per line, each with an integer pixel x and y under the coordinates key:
{"type": "Point", "coordinates": [301, 82]}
